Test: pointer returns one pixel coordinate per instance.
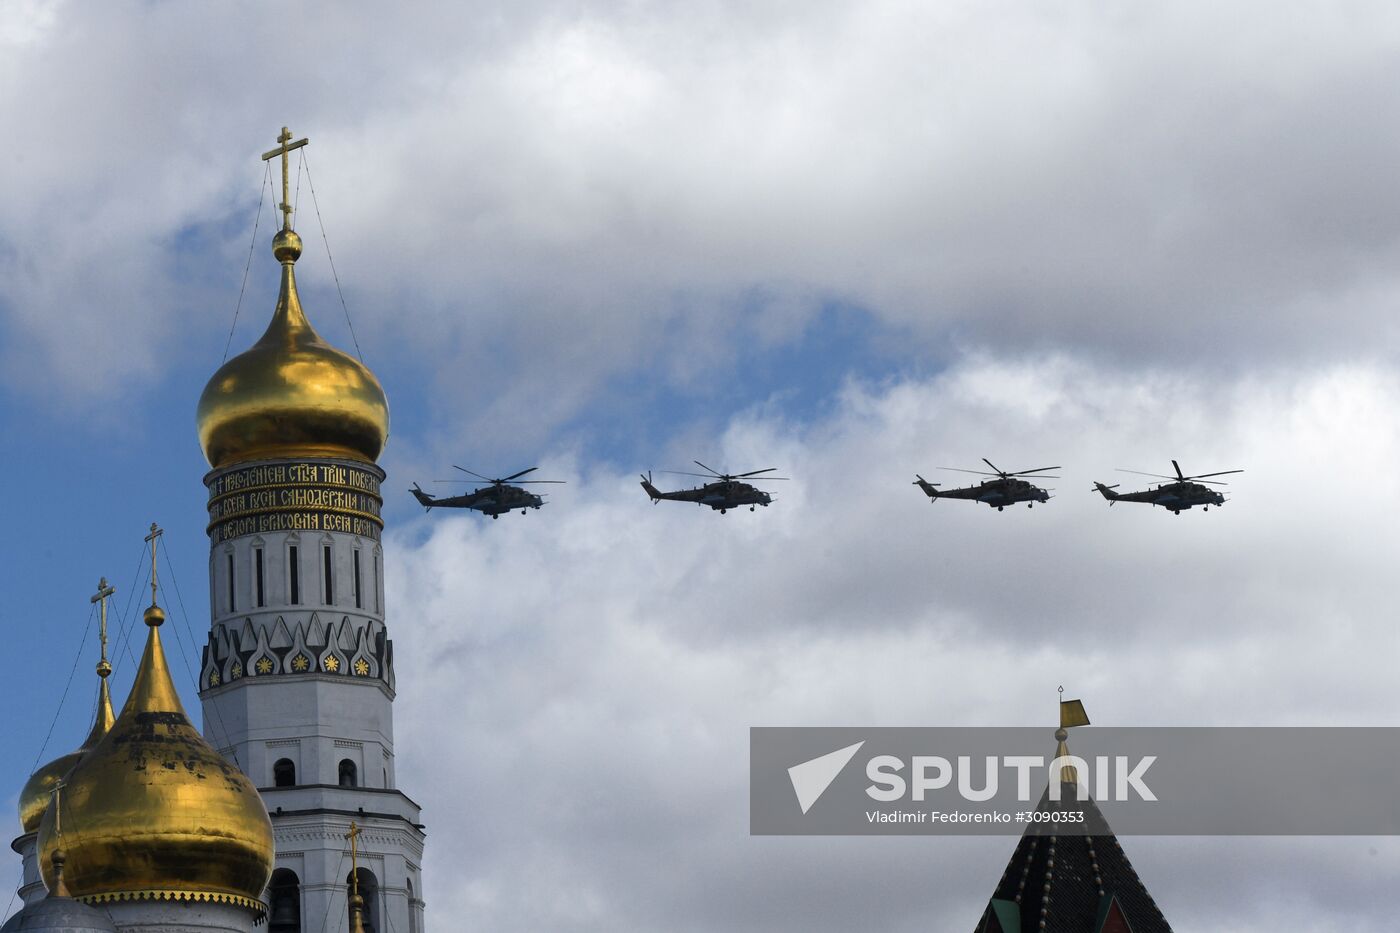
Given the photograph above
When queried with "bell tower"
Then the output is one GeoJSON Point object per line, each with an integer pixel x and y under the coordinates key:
{"type": "Point", "coordinates": [297, 679]}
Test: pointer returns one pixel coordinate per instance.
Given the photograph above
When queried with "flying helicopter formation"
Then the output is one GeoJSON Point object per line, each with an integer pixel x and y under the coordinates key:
{"type": "Point", "coordinates": [725, 491]}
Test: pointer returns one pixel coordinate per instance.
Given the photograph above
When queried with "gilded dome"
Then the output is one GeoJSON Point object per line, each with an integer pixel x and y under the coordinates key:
{"type": "Point", "coordinates": [292, 394]}
{"type": "Point", "coordinates": [153, 811]}
{"type": "Point", "coordinates": [38, 790]}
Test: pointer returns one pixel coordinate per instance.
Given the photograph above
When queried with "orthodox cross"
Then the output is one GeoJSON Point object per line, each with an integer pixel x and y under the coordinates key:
{"type": "Point", "coordinates": [57, 813]}
{"type": "Point", "coordinates": [103, 591]}
{"type": "Point", "coordinates": [353, 835]}
{"type": "Point", "coordinates": [285, 146]}
{"type": "Point", "coordinates": [155, 534]}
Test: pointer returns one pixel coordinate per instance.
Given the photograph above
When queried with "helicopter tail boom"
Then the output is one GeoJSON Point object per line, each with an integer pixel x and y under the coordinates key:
{"type": "Point", "coordinates": [423, 498]}
{"type": "Point", "coordinates": [930, 488]}
{"type": "Point", "coordinates": [1107, 491]}
{"type": "Point", "coordinates": [652, 491]}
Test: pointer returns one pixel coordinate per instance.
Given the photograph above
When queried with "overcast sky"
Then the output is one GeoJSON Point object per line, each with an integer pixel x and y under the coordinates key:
{"type": "Point", "coordinates": [853, 241]}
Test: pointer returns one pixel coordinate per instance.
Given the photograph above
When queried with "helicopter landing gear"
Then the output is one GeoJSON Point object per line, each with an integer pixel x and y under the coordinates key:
{"type": "Point", "coordinates": [494, 517]}
{"type": "Point", "coordinates": [722, 511]}
{"type": "Point", "coordinates": [1001, 508]}
{"type": "Point", "coordinates": [1030, 505]}
{"type": "Point", "coordinates": [751, 508]}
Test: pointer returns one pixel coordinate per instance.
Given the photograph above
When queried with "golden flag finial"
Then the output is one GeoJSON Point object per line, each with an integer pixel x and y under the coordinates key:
{"type": "Point", "coordinates": [104, 667]}
{"type": "Point", "coordinates": [285, 146]}
{"type": "Point", "coordinates": [1071, 714]}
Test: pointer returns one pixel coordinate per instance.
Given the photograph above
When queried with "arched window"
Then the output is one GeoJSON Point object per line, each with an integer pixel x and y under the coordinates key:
{"type": "Point", "coordinates": [369, 890]}
{"type": "Point", "coordinates": [284, 773]}
{"type": "Point", "coordinates": [284, 898]}
{"type": "Point", "coordinates": [349, 777]}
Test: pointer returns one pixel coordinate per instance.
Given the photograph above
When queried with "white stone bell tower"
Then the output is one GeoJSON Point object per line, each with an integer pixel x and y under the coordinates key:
{"type": "Point", "coordinates": [297, 681]}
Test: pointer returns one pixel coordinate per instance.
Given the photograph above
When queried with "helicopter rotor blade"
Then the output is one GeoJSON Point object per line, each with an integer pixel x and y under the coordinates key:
{"type": "Point", "coordinates": [1176, 466]}
{"type": "Point", "coordinates": [1140, 473]}
{"type": "Point", "coordinates": [521, 473]}
{"type": "Point", "coordinates": [712, 472]}
{"type": "Point", "coordinates": [756, 472]}
{"type": "Point", "coordinates": [533, 482]}
{"type": "Point", "coordinates": [683, 473]}
{"type": "Point", "coordinates": [993, 466]}
{"type": "Point", "coordinates": [976, 472]}
{"type": "Point", "coordinates": [1036, 470]}
{"type": "Point", "coordinates": [1221, 473]}
{"type": "Point", "coordinates": [477, 475]}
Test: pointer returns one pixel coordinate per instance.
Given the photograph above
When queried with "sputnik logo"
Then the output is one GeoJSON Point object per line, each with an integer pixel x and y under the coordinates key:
{"type": "Point", "coordinates": [811, 778]}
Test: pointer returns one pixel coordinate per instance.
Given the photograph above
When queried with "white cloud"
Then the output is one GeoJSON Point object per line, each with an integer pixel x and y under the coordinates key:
{"type": "Point", "coordinates": [603, 659]}
{"type": "Point", "coordinates": [528, 202]}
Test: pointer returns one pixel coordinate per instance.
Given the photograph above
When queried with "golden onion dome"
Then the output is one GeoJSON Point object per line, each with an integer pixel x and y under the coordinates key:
{"type": "Point", "coordinates": [38, 790]}
{"type": "Point", "coordinates": [153, 811]}
{"type": "Point", "coordinates": [292, 394]}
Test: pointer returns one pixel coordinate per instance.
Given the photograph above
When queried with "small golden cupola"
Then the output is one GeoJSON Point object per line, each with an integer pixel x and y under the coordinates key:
{"type": "Point", "coordinates": [153, 811]}
{"type": "Point", "coordinates": [291, 394]}
{"type": "Point", "coordinates": [38, 790]}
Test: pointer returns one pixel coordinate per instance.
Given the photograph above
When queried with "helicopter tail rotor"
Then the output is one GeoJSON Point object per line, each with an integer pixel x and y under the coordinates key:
{"type": "Point", "coordinates": [651, 490]}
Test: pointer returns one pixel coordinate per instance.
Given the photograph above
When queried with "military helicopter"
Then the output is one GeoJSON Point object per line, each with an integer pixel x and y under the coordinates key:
{"type": "Point", "coordinates": [1180, 493]}
{"type": "Point", "coordinates": [723, 494]}
{"type": "Point", "coordinates": [1006, 489]}
{"type": "Point", "coordinates": [494, 500]}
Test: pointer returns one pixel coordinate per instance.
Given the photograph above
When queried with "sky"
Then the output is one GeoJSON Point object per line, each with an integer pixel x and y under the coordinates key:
{"type": "Point", "coordinates": [851, 241]}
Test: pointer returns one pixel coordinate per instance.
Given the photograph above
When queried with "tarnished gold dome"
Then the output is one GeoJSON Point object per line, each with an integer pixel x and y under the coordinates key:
{"type": "Point", "coordinates": [292, 394]}
{"type": "Point", "coordinates": [38, 790]}
{"type": "Point", "coordinates": [154, 812]}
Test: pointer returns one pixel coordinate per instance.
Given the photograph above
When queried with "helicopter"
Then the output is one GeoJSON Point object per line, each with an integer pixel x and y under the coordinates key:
{"type": "Point", "coordinates": [494, 500]}
{"type": "Point", "coordinates": [1006, 489]}
{"type": "Point", "coordinates": [725, 492]}
{"type": "Point", "coordinates": [1180, 493]}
